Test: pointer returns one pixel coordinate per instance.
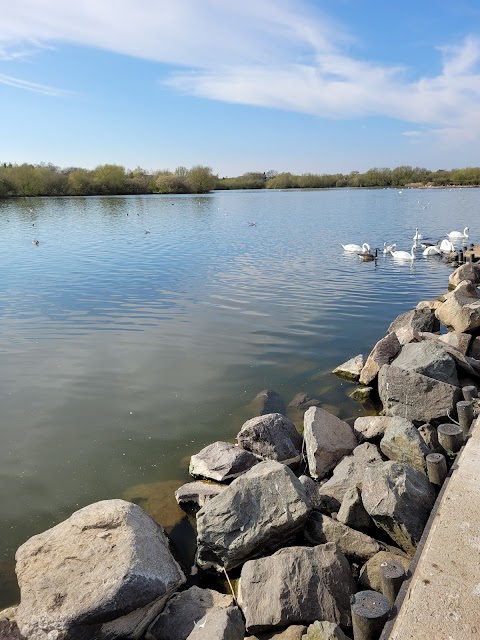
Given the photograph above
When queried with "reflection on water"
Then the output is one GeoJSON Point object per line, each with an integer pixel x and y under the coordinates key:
{"type": "Point", "coordinates": [124, 352]}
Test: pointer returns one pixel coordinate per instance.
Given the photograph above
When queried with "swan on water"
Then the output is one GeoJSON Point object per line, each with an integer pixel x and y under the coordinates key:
{"type": "Point", "coordinates": [417, 236]}
{"type": "Point", "coordinates": [356, 248]}
{"type": "Point", "coordinates": [446, 246]}
{"type": "Point", "coordinates": [459, 234]}
{"type": "Point", "coordinates": [432, 250]}
{"type": "Point", "coordinates": [403, 255]}
{"type": "Point", "coordinates": [387, 248]}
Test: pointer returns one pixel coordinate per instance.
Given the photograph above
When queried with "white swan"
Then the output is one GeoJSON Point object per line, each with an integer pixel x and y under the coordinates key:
{"type": "Point", "coordinates": [432, 251]}
{"type": "Point", "coordinates": [389, 247]}
{"type": "Point", "coordinates": [446, 246]}
{"type": "Point", "coordinates": [417, 236]}
{"type": "Point", "coordinates": [356, 248]}
{"type": "Point", "coordinates": [459, 234]}
{"type": "Point", "coordinates": [403, 255]}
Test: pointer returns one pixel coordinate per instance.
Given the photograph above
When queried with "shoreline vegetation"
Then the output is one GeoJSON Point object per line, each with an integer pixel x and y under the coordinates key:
{"type": "Point", "coordinates": [25, 180]}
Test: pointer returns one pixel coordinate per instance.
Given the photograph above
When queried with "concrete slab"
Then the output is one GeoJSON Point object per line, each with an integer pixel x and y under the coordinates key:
{"type": "Point", "coordinates": [442, 600]}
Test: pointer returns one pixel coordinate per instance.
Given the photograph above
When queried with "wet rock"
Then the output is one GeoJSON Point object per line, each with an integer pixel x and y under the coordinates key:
{"type": "Point", "coordinates": [105, 572]}
{"type": "Point", "coordinates": [267, 401]}
{"type": "Point", "coordinates": [382, 353]}
{"type": "Point", "coordinates": [469, 271]}
{"type": "Point", "coordinates": [272, 437]}
{"type": "Point", "coordinates": [324, 631]}
{"type": "Point", "coordinates": [158, 500]}
{"type": "Point", "coordinates": [221, 624]}
{"type": "Point", "coordinates": [302, 402]}
{"type": "Point", "coordinates": [351, 369]}
{"type": "Point", "coordinates": [399, 500]}
{"type": "Point", "coordinates": [318, 501]}
{"type": "Point", "coordinates": [185, 609]}
{"type": "Point", "coordinates": [430, 359]}
{"type": "Point", "coordinates": [461, 312]}
{"type": "Point", "coordinates": [258, 512]}
{"type": "Point", "coordinates": [192, 496]}
{"type": "Point", "coordinates": [321, 529]}
{"type": "Point", "coordinates": [327, 440]}
{"type": "Point", "coordinates": [349, 472]}
{"type": "Point", "coordinates": [403, 443]}
{"type": "Point", "coordinates": [296, 585]}
{"type": "Point", "coordinates": [352, 512]}
{"type": "Point", "coordinates": [417, 320]}
{"type": "Point", "coordinates": [221, 461]}
{"type": "Point", "coordinates": [370, 576]}
{"type": "Point", "coordinates": [414, 396]}
{"type": "Point", "coordinates": [361, 393]}
{"type": "Point", "coordinates": [371, 428]}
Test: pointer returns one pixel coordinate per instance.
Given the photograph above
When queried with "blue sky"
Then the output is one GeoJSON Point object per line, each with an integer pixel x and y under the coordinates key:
{"type": "Point", "coordinates": [291, 85]}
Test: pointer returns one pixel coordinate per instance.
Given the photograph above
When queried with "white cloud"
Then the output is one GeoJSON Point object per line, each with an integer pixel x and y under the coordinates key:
{"type": "Point", "coordinates": [273, 53]}
{"type": "Point", "coordinates": [33, 86]}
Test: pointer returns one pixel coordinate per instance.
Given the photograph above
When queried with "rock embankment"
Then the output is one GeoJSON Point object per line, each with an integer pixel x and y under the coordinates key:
{"type": "Point", "coordinates": [298, 523]}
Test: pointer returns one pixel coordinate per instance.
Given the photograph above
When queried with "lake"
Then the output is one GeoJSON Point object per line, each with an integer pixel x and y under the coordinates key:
{"type": "Point", "coordinates": [140, 328]}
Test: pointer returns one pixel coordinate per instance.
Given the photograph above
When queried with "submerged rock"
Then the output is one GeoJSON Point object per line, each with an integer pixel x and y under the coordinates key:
{"type": "Point", "coordinates": [158, 500]}
{"type": "Point", "coordinates": [267, 401]}
{"type": "Point", "coordinates": [272, 437]}
{"type": "Point", "coordinates": [192, 496]}
{"type": "Point", "coordinates": [221, 461]}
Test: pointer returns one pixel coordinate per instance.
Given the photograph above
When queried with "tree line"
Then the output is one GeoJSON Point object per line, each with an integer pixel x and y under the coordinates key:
{"type": "Point", "coordinates": [112, 179]}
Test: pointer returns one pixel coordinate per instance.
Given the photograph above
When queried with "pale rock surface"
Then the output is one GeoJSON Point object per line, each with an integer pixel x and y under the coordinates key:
{"type": "Point", "coordinates": [370, 576]}
{"type": "Point", "coordinates": [323, 630]}
{"type": "Point", "coordinates": [271, 437]}
{"type": "Point", "coordinates": [461, 312]}
{"type": "Point", "coordinates": [221, 461]}
{"type": "Point", "coordinates": [428, 304]}
{"type": "Point", "coordinates": [417, 320]}
{"type": "Point", "coordinates": [430, 359]}
{"type": "Point", "coordinates": [351, 369]}
{"type": "Point", "coordinates": [382, 353]}
{"type": "Point", "coordinates": [194, 495]}
{"type": "Point", "coordinates": [327, 440]}
{"type": "Point", "coordinates": [352, 512]}
{"type": "Point", "coordinates": [105, 572]}
{"type": "Point", "coordinates": [296, 585]}
{"type": "Point", "coordinates": [403, 443]}
{"type": "Point", "coordinates": [469, 271]}
{"type": "Point", "coordinates": [220, 624]}
{"type": "Point", "coordinates": [371, 427]}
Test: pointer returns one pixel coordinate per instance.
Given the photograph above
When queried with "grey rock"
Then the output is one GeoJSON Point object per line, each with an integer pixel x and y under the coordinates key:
{"type": "Point", "coordinates": [220, 624]}
{"type": "Point", "coordinates": [430, 359]}
{"type": "Point", "coordinates": [415, 397]}
{"type": "Point", "coordinates": [272, 437]}
{"type": "Point", "coordinates": [403, 443]}
{"type": "Point", "coordinates": [105, 572]}
{"type": "Point", "coordinates": [293, 632]}
{"type": "Point", "coordinates": [192, 496]}
{"type": "Point", "coordinates": [258, 512]}
{"type": "Point", "coordinates": [474, 348]}
{"type": "Point", "coordinates": [428, 304]}
{"type": "Point", "coordinates": [317, 500]}
{"type": "Point", "coordinates": [352, 512]}
{"type": "Point", "coordinates": [371, 428]}
{"type": "Point", "coordinates": [221, 461]}
{"type": "Point", "coordinates": [361, 393]}
{"type": "Point", "coordinates": [302, 402]}
{"type": "Point", "coordinates": [351, 369]}
{"type": "Point", "coordinates": [469, 271]}
{"type": "Point", "coordinates": [399, 499]}
{"type": "Point", "coordinates": [184, 610]}
{"type": "Point", "coordinates": [267, 401]}
{"type": "Point", "coordinates": [8, 625]}
{"type": "Point", "coordinates": [370, 577]}
{"type": "Point", "coordinates": [323, 630]}
{"type": "Point", "coordinates": [296, 585]}
{"type": "Point", "coordinates": [429, 435]}
{"type": "Point", "coordinates": [382, 353]}
{"type": "Point", "coordinates": [327, 440]}
{"type": "Point", "coordinates": [417, 319]}
{"type": "Point", "coordinates": [349, 472]}
{"type": "Point", "coordinates": [321, 529]}
{"type": "Point", "coordinates": [461, 312]}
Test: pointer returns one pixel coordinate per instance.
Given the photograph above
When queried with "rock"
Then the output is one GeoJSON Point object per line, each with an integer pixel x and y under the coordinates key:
{"type": "Point", "coordinates": [361, 393]}
{"type": "Point", "coordinates": [469, 271]}
{"type": "Point", "coordinates": [352, 512]}
{"type": "Point", "coordinates": [371, 427]}
{"type": "Point", "coordinates": [428, 304]}
{"type": "Point", "coordinates": [302, 402]}
{"type": "Point", "coordinates": [327, 440]}
{"type": "Point", "coordinates": [461, 312]}
{"type": "Point", "coordinates": [399, 499]}
{"type": "Point", "coordinates": [474, 348]}
{"type": "Point", "coordinates": [296, 585]}
{"type": "Point", "coordinates": [258, 512]}
{"type": "Point", "coordinates": [459, 341]}
{"type": "Point", "coordinates": [414, 396]}
{"type": "Point", "coordinates": [272, 437]}
{"type": "Point", "coordinates": [105, 572]}
{"type": "Point", "coordinates": [158, 500]}
{"type": "Point", "coordinates": [349, 472]}
{"type": "Point", "coordinates": [192, 496]}
{"type": "Point", "coordinates": [317, 500]}
{"type": "Point", "coordinates": [221, 461]}
{"type": "Point", "coordinates": [185, 609]}
{"type": "Point", "coordinates": [351, 369]}
{"type": "Point", "coordinates": [324, 631]}
{"type": "Point", "coordinates": [417, 320]}
{"type": "Point", "coordinates": [382, 353]}
{"type": "Point", "coordinates": [429, 435]}
{"type": "Point", "coordinates": [429, 359]}
{"type": "Point", "coordinates": [293, 632]}
{"type": "Point", "coordinates": [267, 401]}
{"type": "Point", "coordinates": [403, 443]}
{"type": "Point", "coordinates": [221, 624]}
{"type": "Point", "coordinates": [321, 529]}
{"type": "Point", "coordinates": [8, 625]}
{"type": "Point", "coordinates": [370, 576]}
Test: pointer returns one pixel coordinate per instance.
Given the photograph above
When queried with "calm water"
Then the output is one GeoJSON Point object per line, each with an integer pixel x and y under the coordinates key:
{"type": "Point", "coordinates": [124, 352]}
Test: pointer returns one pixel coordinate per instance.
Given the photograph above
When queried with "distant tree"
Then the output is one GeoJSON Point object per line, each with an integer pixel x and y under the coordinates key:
{"type": "Point", "coordinates": [110, 179]}
{"type": "Point", "coordinates": [81, 182]}
{"type": "Point", "coordinates": [170, 184]}
{"type": "Point", "coordinates": [200, 179]}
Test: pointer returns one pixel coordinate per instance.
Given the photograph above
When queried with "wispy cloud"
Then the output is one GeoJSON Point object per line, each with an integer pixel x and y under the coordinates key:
{"type": "Point", "coordinates": [34, 86]}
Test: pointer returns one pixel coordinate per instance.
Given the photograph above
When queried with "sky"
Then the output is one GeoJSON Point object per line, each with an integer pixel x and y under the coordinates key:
{"type": "Point", "coordinates": [307, 86]}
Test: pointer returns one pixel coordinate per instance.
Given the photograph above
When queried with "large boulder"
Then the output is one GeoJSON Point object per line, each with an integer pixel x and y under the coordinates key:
{"type": "Point", "coordinates": [459, 341]}
{"type": "Point", "coordinates": [267, 401]}
{"type": "Point", "coordinates": [399, 499]}
{"type": "Point", "coordinates": [461, 311]}
{"type": "Point", "coordinates": [416, 320]}
{"type": "Point", "coordinates": [370, 576]}
{"type": "Point", "coordinates": [469, 271]}
{"type": "Point", "coordinates": [351, 369]}
{"type": "Point", "coordinates": [327, 440]}
{"type": "Point", "coordinates": [403, 443]}
{"type": "Point", "coordinates": [221, 461]}
{"type": "Point", "coordinates": [258, 512]}
{"type": "Point", "coordinates": [106, 572]}
{"type": "Point", "coordinates": [296, 585]}
{"type": "Point", "coordinates": [184, 610]}
{"type": "Point", "coordinates": [429, 359]}
{"type": "Point", "coordinates": [382, 353]}
{"type": "Point", "coordinates": [349, 472]}
{"type": "Point", "coordinates": [414, 396]}
{"type": "Point", "coordinates": [272, 437]}
{"type": "Point", "coordinates": [221, 624]}
{"type": "Point", "coordinates": [192, 496]}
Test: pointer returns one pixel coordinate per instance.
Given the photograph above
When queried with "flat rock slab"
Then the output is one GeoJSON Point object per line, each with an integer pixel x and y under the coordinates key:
{"type": "Point", "coordinates": [382, 353]}
{"type": "Point", "coordinates": [258, 512]}
{"type": "Point", "coordinates": [351, 369]}
{"type": "Point", "coordinates": [105, 572]}
{"type": "Point", "coordinates": [271, 437]}
{"type": "Point", "coordinates": [296, 585]}
{"type": "Point", "coordinates": [221, 461]}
